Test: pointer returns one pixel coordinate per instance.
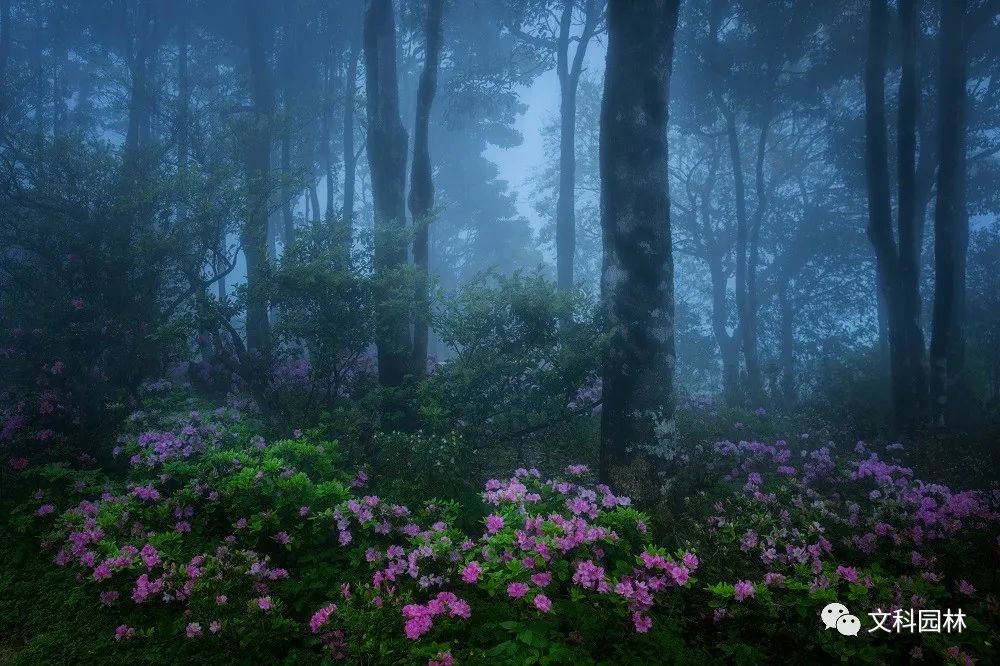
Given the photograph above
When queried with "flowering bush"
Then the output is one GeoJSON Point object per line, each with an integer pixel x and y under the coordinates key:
{"type": "Point", "coordinates": [216, 538]}
{"type": "Point", "coordinates": [796, 526]}
{"type": "Point", "coordinates": [212, 541]}
{"type": "Point", "coordinates": [562, 569]}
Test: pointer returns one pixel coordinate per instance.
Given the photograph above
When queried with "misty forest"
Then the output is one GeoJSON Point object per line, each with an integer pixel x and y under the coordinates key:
{"type": "Point", "coordinates": [499, 331]}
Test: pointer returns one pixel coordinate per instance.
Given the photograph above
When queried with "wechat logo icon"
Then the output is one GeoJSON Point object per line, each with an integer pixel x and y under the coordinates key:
{"type": "Point", "coordinates": [836, 616]}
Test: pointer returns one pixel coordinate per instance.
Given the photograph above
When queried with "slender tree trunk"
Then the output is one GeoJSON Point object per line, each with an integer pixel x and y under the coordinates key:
{"type": "Point", "coordinates": [288, 102]}
{"type": "Point", "coordinates": [287, 198]}
{"type": "Point", "coordinates": [5, 33]}
{"type": "Point", "coordinates": [183, 109]}
{"type": "Point", "coordinates": [909, 249]}
{"type": "Point", "coordinates": [566, 201]}
{"type": "Point", "coordinates": [221, 284]}
{"type": "Point", "coordinates": [422, 185]}
{"type": "Point", "coordinates": [314, 198]}
{"type": "Point", "coordinates": [749, 327]}
{"type": "Point", "coordinates": [787, 344]}
{"type": "Point", "coordinates": [326, 123]}
{"type": "Point", "coordinates": [638, 431]}
{"type": "Point", "coordinates": [142, 49]}
{"type": "Point", "coordinates": [950, 218]}
{"type": "Point", "coordinates": [879, 209]}
{"type": "Point", "coordinates": [569, 82]}
{"type": "Point", "coordinates": [147, 91]}
{"type": "Point", "coordinates": [387, 143]}
{"type": "Point", "coordinates": [39, 78]}
{"type": "Point", "coordinates": [60, 62]}
{"type": "Point", "coordinates": [728, 346]}
{"type": "Point", "coordinates": [350, 161]}
{"type": "Point", "coordinates": [258, 150]}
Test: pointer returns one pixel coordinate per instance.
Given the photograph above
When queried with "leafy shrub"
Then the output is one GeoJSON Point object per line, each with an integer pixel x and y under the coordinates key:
{"type": "Point", "coordinates": [525, 367]}
{"type": "Point", "coordinates": [97, 276]}
{"type": "Point", "coordinates": [794, 526]}
{"type": "Point", "coordinates": [325, 301]}
{"type": "Point", "coordinates": [215, 541]}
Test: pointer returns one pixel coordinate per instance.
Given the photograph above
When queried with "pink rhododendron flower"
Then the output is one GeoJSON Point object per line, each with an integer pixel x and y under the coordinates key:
{"type": "Point", "coordinates": [543, 603]}
{"type": "Point", "coordinates": [442, 659]}
{"type": "Point", "coordinates": [772, 578]}
{"type": "Point", "coordinates": [517, 590]}
{"type": "Point", "coordinates": [264, 603]}
{"type": "Point", "coordinates": [124, 632]}
{"type": "Point", "coordinates": [850, 574]}
{"type": "Point", "coordinates": [494, 523]}
{"type": "Point", "coordinates": [321, 617]}
{"type": "Point", "coordinates": [194, 630]}
{"type": "Point", "coordinates": [471, 572]}
{"type": "Point", "coordinates": [743, 589]}
{"type": "Point", "coordinates": [641, 622]}
{"type": "Point", "coordinates": [541, 579]}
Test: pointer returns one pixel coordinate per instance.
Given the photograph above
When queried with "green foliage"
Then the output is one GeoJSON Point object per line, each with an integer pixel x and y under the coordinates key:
{"type": "Point", "coordinates": [526, 364]}
{"type": "Point", "coordinates": [98, 272]}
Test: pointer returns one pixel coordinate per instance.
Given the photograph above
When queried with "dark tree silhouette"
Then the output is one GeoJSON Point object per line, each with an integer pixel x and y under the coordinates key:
{"type": "Point", "coordinates": [638, 431]}
{"type": "Point", "coordinates": [387, 157]}
{"type": "Point", "coordinates": [422, 184]}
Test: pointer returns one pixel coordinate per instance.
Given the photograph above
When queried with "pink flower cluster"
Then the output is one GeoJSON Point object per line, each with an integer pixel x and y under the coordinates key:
{"type": "Point", "coordinates": [420, 617]}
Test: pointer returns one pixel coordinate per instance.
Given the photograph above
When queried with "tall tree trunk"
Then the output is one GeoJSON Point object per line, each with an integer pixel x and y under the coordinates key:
{"type": "Point", "coordinates": [422, 185]}
{"type": "Point", "coordinates": [287, 199]}
{"type": "Point", "coordinates": [147, 91]}
{"type": "Point", "coordinates": [569, 82]}
{"type": "Point", "coordinates": [787, 343]}
{"type": "Point", "coordinates": [909, 235]}
{"type": "Point", "coordinates": [141, 48]}
{"type": "Point", "coordinates": [39, 79]}
{"type": "Point", "coordinates": [289, 94]}
{"type": "Point", "coordinates": [387, 143]}
{"type": "Point", "coordinates": [350, 160]}
{"type": "Point", "coordinates": [258, 155]}
{"type": "Point", "coordinates": [566, 201]}
{"type": "Point", "coordinates": [744, 328]}
{"type": "Point", "coordinates": [5, 33]}
{"type": "Point", "coordinates": [879, 209]}
{"type": "Point", "coordinates": [183, 108]}
{"type": "Point", "coordinates": [638, 431]}
{"type": "Point", "coordinates": [755, 384]}
{"type": "Point", "coordinates": [326, 122]}
{"type": "Point", "coordinates": [728, 346]}
{"type": "Point", "coordinates": [950, 216]}
{"type": "Point", "coordinates": [60, 62]}
{"type": "Point", "coordinates": [314, 199]}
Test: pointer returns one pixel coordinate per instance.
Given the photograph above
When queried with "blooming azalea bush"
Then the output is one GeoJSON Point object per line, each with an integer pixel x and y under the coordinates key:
{"type": "Point", "coordinates": [209, 540]}
{"type": "Point", "coordinates": [563, 570]}
{"type": "Point", "coordinates": [795, 526]}
{"type": "Point", "coordinates": [215, 540]}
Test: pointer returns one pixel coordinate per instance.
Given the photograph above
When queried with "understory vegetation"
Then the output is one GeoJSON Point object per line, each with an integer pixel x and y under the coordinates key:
{"type": "Point", "coordinates": [199, 533]}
